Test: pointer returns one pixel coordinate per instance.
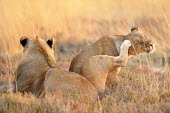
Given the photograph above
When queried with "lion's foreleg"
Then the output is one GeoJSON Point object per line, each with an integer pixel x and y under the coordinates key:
{"type": "Point", "coordinates": [119, 61]}
{"type": "Point", "coordinates": [112, 79]}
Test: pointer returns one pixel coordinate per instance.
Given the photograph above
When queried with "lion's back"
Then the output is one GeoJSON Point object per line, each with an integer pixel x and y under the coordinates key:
{"type": "Point", "coordinates": [104, 46]}
{"type": "Point", "coordinates": [67, 82]}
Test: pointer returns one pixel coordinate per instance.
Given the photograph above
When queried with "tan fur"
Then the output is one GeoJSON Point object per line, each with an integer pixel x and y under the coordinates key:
{"type": "Point", "coordinates": [97, 67]}
{"type": "Point", "coordinates": [68, 83]}
{"type": "Point", "coordinates": [37, 59]}
{"type": "Point", "coordinates": [36, 73]}
{"type": "Point", "coordinates": [110, 45]}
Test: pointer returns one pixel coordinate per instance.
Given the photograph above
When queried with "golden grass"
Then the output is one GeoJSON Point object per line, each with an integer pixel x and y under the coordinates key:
{"type": "Point", "coordinates": [80, 20]}
{"type": "Point", "coordinates": [75, 24]}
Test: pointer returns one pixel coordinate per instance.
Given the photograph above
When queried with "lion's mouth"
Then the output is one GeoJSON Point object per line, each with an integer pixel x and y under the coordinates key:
{"type": "Point", "coordinates": [153, 48]}
{"type": "Point", "coordinates": [151, 51]}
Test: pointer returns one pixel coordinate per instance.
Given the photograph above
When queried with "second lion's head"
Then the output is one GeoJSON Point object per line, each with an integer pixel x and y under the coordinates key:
{"type": "Point", "coordinates": [140, 42]}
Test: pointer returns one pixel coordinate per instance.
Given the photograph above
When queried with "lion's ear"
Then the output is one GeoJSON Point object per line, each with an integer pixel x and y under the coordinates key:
{"type": "Point", "coordinates": [24, 41]}
{"type": "Point", "coordinates": [134, 29]}
{"type": "Point", "coordinates": [51, 42]}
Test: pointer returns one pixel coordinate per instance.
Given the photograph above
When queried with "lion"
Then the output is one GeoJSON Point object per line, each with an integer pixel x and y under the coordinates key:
{"type": "Point", "coordinates": [38, 58]}
{"type": "Point", "coordinates": [97, 67]}
{"type": "Point", "coordinates": [110, 45]}
{"type": "Point", "coordinates": [37, 72]}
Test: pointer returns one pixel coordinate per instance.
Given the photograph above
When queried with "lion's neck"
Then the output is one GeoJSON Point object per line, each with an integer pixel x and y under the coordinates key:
{"type": "Point", "coordinates": [120, 41]}
{"type": "Point", "coordinates": [32, 63]}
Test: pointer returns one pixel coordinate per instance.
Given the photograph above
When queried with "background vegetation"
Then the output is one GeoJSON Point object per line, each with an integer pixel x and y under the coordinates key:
{"type": "Point", "coordinates": [75, 24]}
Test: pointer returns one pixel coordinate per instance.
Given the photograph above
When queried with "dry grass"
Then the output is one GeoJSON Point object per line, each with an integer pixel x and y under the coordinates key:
{"type": "Point", "coordinates": [145, 85]}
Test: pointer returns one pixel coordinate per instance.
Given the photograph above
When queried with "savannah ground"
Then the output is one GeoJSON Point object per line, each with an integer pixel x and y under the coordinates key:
{"type": "Point", "coordinates": [75, 24]}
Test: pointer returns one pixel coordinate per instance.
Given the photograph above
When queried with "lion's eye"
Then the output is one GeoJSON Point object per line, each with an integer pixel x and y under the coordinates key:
{"type": "Point", "coordinates": [151, 45]}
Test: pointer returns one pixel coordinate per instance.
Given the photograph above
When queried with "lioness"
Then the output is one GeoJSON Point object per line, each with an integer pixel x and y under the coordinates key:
{"type": "Point", "coordinates": [110, 45]}
{"type": "Point", "coordinates": [37, 71]}
{"type": "Point", "coordinates": [38, 58]}
{"type": "Point", "coordinates": [97, 67]}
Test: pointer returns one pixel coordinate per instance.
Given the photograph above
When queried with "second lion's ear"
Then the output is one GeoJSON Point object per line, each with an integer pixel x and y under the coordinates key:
{"type": "Point", "coordinates": [51, 42]}
{"type": "Point", "coordinates": [134, 28]}
{"type": "Point", "coordinates": [24, 41]}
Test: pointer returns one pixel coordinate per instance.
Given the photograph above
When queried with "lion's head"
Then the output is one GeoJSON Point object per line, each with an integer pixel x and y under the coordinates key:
{"type": "Point", "coordinates": [39, 47]}
{"type": "Point", "coordinates": [37, 59]}
{"type": "Point", "coordinates": [140, 42]}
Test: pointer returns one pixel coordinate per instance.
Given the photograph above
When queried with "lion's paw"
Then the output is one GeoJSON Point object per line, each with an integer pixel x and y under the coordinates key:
{"type": "Point", "coordinates": [127, 43]}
